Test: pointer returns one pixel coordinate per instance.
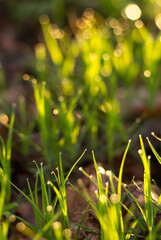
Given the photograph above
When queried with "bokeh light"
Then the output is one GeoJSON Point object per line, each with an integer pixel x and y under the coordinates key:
{"type": "Point", "coordinates": [139, 24]}
{"type": "Point", "coordinates": [20, 226]}
{"type": "Point", "coordinates": [158, 21]}
{"type": "Point", "coordinates": [106, 56]}
{"type": "Point", "coordinates": [147, 73]}
{"type": "Point", "coordinates": [4, 118]}
{"type": "Point", "coordinates": [26, 77]}
{"type": "Point", "coordinates": [132, 11]}
{"type": "Point", "coordinates": [55, 111]}
{"type": "Point", "coordinates": [56, 225]}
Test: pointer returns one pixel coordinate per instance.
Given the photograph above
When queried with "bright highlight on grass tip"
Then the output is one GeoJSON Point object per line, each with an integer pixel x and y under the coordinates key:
{"type": "Point", "coordinates": [26, 77]}
{"type": "Point", "coordinates": [153, 134]}
{"type": "Point", "coordinates": [147, 73]}
{"type": "Point", "coordinates": [49, 208]}
{"type": "Point", "coordinates": [56, 225]}
{"type": "Point", "coordinates": [80, 168]}
{"type": "Point", "coordinates": [43, 83]}
{"type": "Point", "coordinates": [114, 198]}
{"type": "Point", "coordinates": [132, 11]}
{"type": "Point", "coordinates": [12, 218]}
{"type": "Point", "coordinates": [4, 118]}
{"type": "Point", "coordinates": [48, 182]}
{"type": "Point", "coordinates": [108, 173]}
{"type": "Point", "coordinates": [101, 170]}
{"type": "Point", "coordinates": [20, 226]}
{"type": "Point", "coordinates": [117, 53]}
{"type": "Point", "coordinates": [103, 199]}
{"type": "Point", "coordinates": [55, 111]}
{"type": "Point", "coordinates": [140, 151]}
{"type": "Point", "coordinates": [34, 81]}
{"type": "Point", "coordinates": [67, 233]}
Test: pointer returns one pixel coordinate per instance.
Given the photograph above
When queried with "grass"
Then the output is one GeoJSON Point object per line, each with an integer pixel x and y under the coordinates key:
{"type": "Point", "coordinates": [77, 85]}
{"type": "Point", "coordinates": [84, 77]}
{"type": "Point", "coordinates": [80, 91]}
{"type": "Point", "coordinates": [53, 222]}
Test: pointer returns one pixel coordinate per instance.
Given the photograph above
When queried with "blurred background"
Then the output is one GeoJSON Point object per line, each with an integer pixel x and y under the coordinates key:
{"type": "Point", "coordinates": [80, 74]}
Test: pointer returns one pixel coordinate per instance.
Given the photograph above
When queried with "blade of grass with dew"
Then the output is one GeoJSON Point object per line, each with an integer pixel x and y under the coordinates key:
{"type": "Point", "coordinates": [37, 217]}
{"type": "Point", "coordinates": [45, 200]}
{"type": "Point", "coordinates": [147, 186]}
{"type": "Point", "coordinates": [62, 189]}
{"type": "Point", "coordinates": [96, 209]}
{"type": "Point", "coordinates": [30, 225]}
{"type": "Point", "coordinates": [121, 169]}
{"type": "Point", "coordinates": [98, 174]}
{"type": "Point", "coordinates": [32, 203]}
{"type": "Point", "coordinates": [39, 92]}
{"type": "Point", "coordinates": [58, 231]}
{"type": "Point", "coordinates": [70, 171]}
{"type": "Point", "coordinates": [46, 227]}
{"type": "Point", "coordinates": [51, 42]}
{"type": "Point", "coordinates": [154, 151]}
{"type": "Point", "coordinates": [119, 190]}
{"type": "Point", "coordinates": [88, 176]}
{"type": "Point", "coordinates": [63, 205]}
{"type": "Point", "coordinates": [59, 194]}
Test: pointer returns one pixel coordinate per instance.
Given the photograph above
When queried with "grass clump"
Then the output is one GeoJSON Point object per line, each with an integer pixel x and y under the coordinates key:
{"type": "Point", "coordinates": [118, 208]}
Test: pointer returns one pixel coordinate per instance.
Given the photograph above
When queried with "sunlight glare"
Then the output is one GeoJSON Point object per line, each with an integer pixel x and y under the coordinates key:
{"type": "Point", "coordinates": [132, 11]}
{"type": "Point", "coordinates": [158, 21]}
{"type": "Point", "coordinates": [147, 73]}
{"type": "Point", "coordinates": [4, 118]}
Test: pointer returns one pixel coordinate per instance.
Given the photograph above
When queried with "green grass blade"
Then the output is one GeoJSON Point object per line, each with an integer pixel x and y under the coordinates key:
{"type": "Point", "coordinates": [46, 227]}
{"type": "Point", "coordinates": [154, 151]}
{"type": "Point", "coordinates": [121, 169]}
{"type": "Point", "coordinates": [74, 165]}
{"type": "Point", "coordinates": [37, 217]}
{"type": "Point", "coordinates": [98, 174]}
{"type": "Point", "coordinates": [147, 186]}
{"type": "Point", "coordinates": [30, 201]}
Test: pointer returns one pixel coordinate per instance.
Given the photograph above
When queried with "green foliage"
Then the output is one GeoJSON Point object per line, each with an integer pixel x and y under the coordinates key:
{"type": "Point", "coordinates": [83, 74]}
{"type": "Point", "coordinates": [5, 186]}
